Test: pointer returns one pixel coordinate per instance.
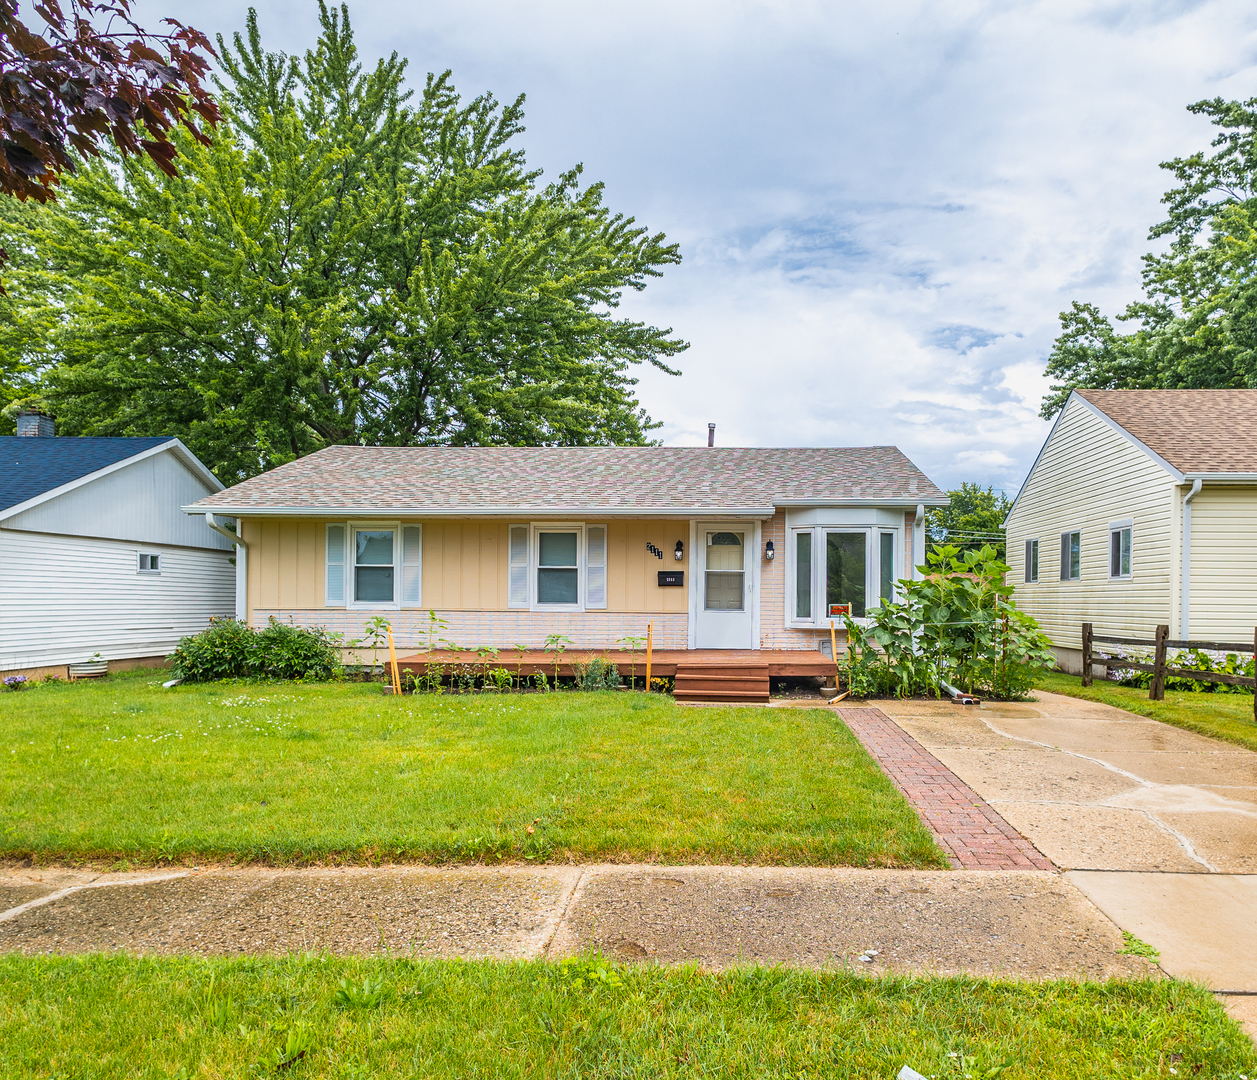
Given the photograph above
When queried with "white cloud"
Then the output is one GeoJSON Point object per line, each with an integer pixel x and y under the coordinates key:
{"type": "Point", "coordinates": [882, 208]}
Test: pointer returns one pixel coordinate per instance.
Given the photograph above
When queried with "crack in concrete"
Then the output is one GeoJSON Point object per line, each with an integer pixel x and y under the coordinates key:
{"type": "Point", "coordinates": [1183, 841]}
{"type": "Point", "coordinates": [565, 907]}
{"type": "Point", "coordinates": [59, 894]}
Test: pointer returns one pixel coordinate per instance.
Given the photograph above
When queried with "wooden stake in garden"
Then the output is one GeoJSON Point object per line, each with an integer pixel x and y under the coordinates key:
{"type": "Point", "coordinates": [650, 645]}
{"type": "Point", "coordinates": [392, 659]}
{"type": "Point", "coordinates": [833, 650]}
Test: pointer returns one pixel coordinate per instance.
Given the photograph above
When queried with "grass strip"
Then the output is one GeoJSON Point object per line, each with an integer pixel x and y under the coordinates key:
{"type": "Point", "coordinates": [127, 772]}
{"type": "Point", "coordinates": [1228, 717]}
{"type": "Point", "coordinates": [317, 1016]}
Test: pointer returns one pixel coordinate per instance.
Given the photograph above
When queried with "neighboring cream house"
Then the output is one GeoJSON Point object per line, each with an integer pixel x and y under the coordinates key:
{"type": "Point", "coordinates": [96, 559]}
{"type": "Point", "coordinates": [1141, 509]}
{"type": "Point", "coordinates": [718, 547]}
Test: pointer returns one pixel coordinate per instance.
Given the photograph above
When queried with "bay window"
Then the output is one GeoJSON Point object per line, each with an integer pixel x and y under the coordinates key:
{"type": "Point", "coordinates": [840, 569]}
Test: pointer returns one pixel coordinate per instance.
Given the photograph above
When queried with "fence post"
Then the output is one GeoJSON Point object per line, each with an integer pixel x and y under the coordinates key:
{"type": "Point", "coordinates": [1157, 691]}
{"type": "Point", "coordinates": [1086, 654]}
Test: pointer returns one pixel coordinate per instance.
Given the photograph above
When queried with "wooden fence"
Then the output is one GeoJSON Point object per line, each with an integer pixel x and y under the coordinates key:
{"type": "Point", "coordinates": [1160, 644]}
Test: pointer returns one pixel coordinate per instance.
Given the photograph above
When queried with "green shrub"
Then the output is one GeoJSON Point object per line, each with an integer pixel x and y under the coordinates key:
{"type": "Point", "coordinates": [221, 651]}
{"type": "Point", "coordinates": [290, 652]}
{"type": "Point", "coordinates": [596, 674]}
{"type": "Point", "coordinates": [230, 649]}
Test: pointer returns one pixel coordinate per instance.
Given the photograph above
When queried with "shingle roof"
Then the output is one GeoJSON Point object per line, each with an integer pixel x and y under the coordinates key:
{"type": "Point", "coordinates": [1196, 431]}
{"type": "Point", "coordinates": [551, 479]}
{"type": "Point", "coordinates": [29, 466]}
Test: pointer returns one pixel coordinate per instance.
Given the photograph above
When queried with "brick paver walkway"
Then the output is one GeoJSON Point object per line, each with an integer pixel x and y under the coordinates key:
{"type": "Point", "coordinates": [974, 836]}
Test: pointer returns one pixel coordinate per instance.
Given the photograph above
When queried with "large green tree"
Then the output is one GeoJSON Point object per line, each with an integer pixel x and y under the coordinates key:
{"type": "Point", "coordinates": [343, 264]}
{"type": "Point", "coordinates": [1197, 324]}
{"type": "Point", "coordinates": [973, 519]}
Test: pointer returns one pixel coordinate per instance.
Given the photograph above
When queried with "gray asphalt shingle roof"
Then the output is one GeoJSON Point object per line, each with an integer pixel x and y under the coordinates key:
{"type": "Point", "coordinates": [30, 466]}
{"type": "Point", "coordinates": [598, 478]}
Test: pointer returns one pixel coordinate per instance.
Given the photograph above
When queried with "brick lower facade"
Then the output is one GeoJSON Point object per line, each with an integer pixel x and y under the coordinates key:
{"type": "Point", "coordinates": [501, 629]}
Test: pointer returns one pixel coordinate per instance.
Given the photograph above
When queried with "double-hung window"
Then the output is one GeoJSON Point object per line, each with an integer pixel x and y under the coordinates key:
{"type": "Point", "coordinates": [1032, 561]}
{"type": "Point", "coordinates": [558, 567]}
{"type": "Point", "coordinates": [1071, 555]}
{"type": "Point", "coordinates": [1121, 534]}
{"type": "Point", "coordinates": [374, 565]}
{"type": "Point", "coordinates": [839, 570]}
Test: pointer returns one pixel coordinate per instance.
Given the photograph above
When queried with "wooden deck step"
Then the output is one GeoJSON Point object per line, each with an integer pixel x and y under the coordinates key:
{"type": "Point", "coordinates": [721, 682]}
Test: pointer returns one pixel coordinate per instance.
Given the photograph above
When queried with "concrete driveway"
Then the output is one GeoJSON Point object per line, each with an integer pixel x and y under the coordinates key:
{"type": "Point", "coordinates": [1157, 826]}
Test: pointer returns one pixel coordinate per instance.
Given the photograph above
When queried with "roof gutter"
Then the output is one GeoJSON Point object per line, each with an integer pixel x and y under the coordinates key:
{"type": "Point", "coordinates": [543, 511]}
{"type": "Point", "coordinates": [242, 564]}
{"type": "Point", "coordinates": [1184, 614]}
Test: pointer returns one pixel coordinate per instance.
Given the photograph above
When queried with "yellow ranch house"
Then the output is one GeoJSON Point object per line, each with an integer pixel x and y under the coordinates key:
{"type": "Point", "coordinates": [720, 548]}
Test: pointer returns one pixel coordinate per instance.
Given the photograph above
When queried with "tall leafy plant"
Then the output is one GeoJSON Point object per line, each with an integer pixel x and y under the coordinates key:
{"type": "Point", "coordinates": [958, 625]}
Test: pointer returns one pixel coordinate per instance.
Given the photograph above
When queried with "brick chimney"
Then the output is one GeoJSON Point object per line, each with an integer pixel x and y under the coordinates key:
{"type": "Point", "coordinates": [36, 425]}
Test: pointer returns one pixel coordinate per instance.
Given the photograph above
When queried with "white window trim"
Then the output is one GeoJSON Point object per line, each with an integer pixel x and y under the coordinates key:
{"type": "Point", "coordinates": [1070, 532]}
{"type": "Point", "coordinates": [534, 545]}
{"type": "Point", "coordinates": [1025, 570]}
{"type": "Point", "coordinates": [872, 577]}
{"type": "Point", "coordinates": [1117, 527]}
{"type": "Point", "coordinates": [351, 557]}
{"type": "Point", "coordinates": [148, 571]}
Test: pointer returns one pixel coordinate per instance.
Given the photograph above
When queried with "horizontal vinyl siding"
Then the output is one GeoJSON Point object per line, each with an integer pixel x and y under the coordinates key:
{"type": "Point", "coordinates": [64, 598]}
{"type": "Point", "coordinates": [1224, 564]}
{"type": "Point", "coordinates": [138, 503]}
{"type": "Point", "coordinates": [1088, 476]}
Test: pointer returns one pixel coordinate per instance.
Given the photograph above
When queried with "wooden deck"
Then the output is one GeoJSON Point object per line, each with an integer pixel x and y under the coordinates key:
{"type": "Point", "coordinates": [728, 675]}
{"type": "Point", "coordinates": [781, 663]}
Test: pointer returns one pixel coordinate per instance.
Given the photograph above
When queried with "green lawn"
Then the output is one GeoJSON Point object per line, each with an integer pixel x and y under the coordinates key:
{"type": "Point", "coordinates": [122, 769]}
{"type": "Point", "coordinates": [120, 1016]}
{"type": "Point", "coordinates": [1221, 716]}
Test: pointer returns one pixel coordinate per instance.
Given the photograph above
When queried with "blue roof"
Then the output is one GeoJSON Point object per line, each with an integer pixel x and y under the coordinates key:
{"type": "Point", "coordinates": [29, 466]}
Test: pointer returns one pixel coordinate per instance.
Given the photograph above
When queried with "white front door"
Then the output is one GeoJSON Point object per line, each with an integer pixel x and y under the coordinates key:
{"type": "Point", "coordinates": [724, 618]}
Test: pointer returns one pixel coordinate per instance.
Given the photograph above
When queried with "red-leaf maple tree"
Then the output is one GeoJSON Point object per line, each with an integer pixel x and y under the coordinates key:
{"type": "Point", "coordinates": [94, 75]}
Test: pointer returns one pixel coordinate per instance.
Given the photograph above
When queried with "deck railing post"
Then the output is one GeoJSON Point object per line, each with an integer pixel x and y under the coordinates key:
{"type": "Point", "coordinates": [1157, 690]}
{"type": "Point", "coordinates": [1086, 654]}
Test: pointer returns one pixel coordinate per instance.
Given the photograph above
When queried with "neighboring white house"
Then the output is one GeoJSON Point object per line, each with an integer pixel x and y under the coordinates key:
{"type": "Point", "coordinates": [1141, 509]}
{"type": "Point", "coordinates": [96, 556]}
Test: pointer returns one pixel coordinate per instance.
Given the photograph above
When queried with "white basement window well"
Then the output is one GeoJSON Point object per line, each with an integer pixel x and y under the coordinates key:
{"type": "Point", "coordinates": [1032, 561]}
{"type": "Point", "coordinates": [1071, 555]}
{"type": "Point", "coordinates": [1121, 535]}
{"type": "Point", "coordinates": [148, 563]}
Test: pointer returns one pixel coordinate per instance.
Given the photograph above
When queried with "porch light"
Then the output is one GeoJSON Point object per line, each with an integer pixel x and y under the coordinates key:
{"type": "Point", "coordinates": [769, 551]}
{"type": "Point", "coordinates": [679, 553]}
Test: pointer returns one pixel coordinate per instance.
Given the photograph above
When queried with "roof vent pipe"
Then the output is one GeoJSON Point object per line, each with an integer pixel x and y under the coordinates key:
{"type": "Point", "coordinates": [36, 425]}
{"type": "Point", "coordinates": [711, 434]}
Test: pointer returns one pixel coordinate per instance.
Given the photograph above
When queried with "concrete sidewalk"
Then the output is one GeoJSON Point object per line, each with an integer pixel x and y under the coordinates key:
{"type": "Point", "coordinates": [1157, 826]}
{"type": "Point", "coordinates": [1022, 924]}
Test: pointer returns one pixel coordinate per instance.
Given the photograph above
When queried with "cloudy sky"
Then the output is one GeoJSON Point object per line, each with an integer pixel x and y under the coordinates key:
{"type": "Point", "coordinates": [882, 207]}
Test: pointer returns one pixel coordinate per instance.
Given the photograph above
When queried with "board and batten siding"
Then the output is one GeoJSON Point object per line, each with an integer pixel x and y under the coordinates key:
{"type": "Point", "coordinates": [1223, 594]}
{"type": "Point", "coordinates": [464, 564]}
{"type": "Point", "coordinates": [1088, 476]}
{"type": "Point", "coordinates": [64, 598]}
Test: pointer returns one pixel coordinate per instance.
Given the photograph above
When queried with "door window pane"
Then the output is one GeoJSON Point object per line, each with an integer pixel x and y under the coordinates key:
{"type": "Point", "coordinates": [724, 574]}
{"type": "Point", "coordinates": [886, 567]}
{"type": "Point", "coordinates": [557, 568]}
{"type": "Point", "coordinates": [845, 570]}
{"type": "Point", "coordinates": [803, 575]}
{"type": "Point", "coordinates": [373, 566]}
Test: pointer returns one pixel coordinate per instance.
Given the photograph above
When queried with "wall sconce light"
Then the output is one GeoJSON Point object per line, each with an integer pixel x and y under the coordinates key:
{"type": "Point", "coordinates": [769, 551]}
{"type": "Point", "coordinates": [679, 553]}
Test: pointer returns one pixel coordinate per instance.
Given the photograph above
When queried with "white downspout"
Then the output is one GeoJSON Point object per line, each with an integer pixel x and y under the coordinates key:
{"type": "Point", "coordinates": [242, 565]}
{"type": "Point", "coordinates": [1184, 616]}
{"type": "Point", "coordinates": [918, 540]}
